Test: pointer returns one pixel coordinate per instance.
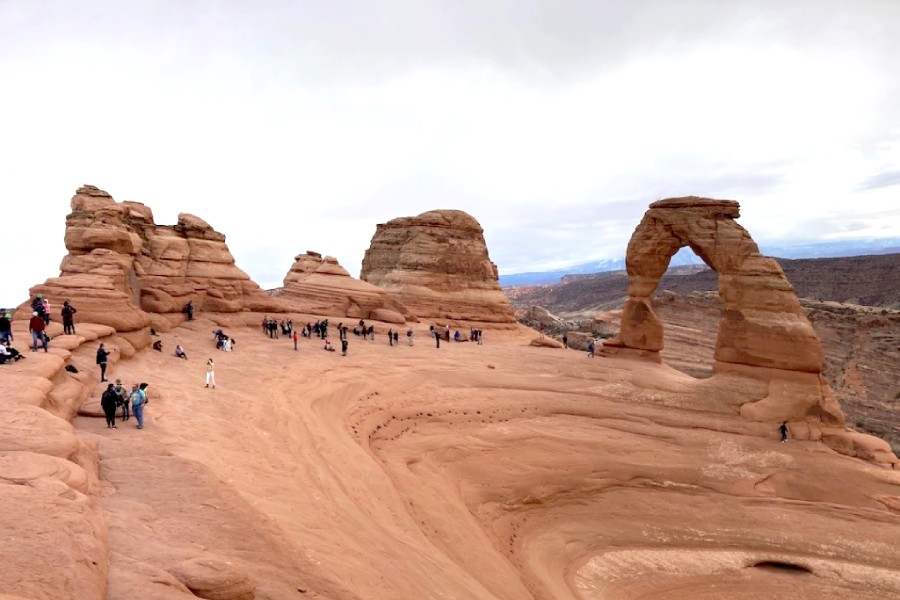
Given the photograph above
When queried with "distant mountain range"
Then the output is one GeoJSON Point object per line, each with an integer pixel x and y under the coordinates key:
{"type": "Point", "coordinates": [685, 257]}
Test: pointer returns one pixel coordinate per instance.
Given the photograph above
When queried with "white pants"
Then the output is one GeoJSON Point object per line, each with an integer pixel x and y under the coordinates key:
{"type": "Point", "coordinates": [211, 378]}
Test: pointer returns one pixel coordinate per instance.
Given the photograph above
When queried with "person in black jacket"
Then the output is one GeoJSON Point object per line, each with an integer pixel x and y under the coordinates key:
{"type": "Point", "coordinates": [102, 355]}
{"type": "Point", "coordinates": [68, 316]}
{"type": "Point", "coordinates": [6, 334]}
{"type": "Point", "coordinates": [108, 404]}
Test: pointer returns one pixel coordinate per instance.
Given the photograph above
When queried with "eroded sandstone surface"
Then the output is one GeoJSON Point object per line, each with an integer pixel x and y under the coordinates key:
{"type": "Point", "coordinates": [496, 471]}
{"type": "Point", "coordinates": [437, 265]}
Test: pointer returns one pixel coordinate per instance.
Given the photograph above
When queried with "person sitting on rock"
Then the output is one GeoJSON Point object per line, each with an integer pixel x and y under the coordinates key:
{"type": "Point", "coordinates": [457, 337]}
{"type": "Point", "coordinates": [9, 354]}
{"type": "Point", "coordinates": [179, 352]}
{"type": "Point", "coordinates": [328, 346]}
{"type": "Point", "coordinates": [157, 345]}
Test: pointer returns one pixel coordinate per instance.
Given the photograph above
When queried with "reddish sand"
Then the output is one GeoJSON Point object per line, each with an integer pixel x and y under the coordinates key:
{"type": "Point", "coordinates": [495, 471]}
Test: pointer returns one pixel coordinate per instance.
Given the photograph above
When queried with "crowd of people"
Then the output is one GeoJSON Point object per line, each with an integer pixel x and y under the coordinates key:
{"type": "Point", "coordinates": [131, 403]}
{"type": "Point", "coordinates": [37, 327]}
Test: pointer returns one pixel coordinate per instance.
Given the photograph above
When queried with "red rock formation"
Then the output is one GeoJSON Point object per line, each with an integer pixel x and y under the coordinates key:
{"type": "Point", "coordinates": [321, 286]}
{"type": "Point", "coordinates": [763, 334]}
{"type": "Point", "coordinates": [437, 265]}
{"type": "Point", "coordinates": [120, 264]}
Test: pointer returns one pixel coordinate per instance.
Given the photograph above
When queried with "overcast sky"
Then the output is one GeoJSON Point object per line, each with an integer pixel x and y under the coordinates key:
{"type": "Point", "coordinates": [299, 125]}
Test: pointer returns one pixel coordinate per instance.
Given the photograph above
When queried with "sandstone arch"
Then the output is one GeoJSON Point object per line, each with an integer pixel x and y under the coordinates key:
{"type": "Point", "coordinates": [762, 323]}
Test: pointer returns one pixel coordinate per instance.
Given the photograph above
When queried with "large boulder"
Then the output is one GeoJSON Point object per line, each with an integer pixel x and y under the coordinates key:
{"type": "Point", "coordinates": [321, 286]}
{"type": "Point", "coordinates": [437, 265]}
{"type": "Point", "coordinates": [121, 265]}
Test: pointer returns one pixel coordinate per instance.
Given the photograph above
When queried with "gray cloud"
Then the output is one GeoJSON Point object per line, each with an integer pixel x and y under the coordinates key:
{"type": "Point", "coordinates": [301, 124]}
{"type": "Point", "coordinates": [881, 180]}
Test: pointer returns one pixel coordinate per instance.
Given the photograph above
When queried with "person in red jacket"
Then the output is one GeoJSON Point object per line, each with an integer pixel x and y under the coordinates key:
{"type": "Point", "coordinates": [37, 326]}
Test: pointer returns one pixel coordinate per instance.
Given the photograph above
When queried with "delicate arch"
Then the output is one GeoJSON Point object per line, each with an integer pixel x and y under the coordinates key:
{"type": "Point", "coordinates": [762, 323]}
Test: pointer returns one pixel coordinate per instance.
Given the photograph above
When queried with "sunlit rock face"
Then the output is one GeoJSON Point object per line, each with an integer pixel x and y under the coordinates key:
{"type": "Point", "coordinates": [437, 265]}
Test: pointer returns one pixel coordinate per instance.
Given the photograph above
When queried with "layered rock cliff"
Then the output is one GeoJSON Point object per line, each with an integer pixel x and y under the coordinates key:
{"type": "Point", "coordinates": [121, 264]}
{"type": "Point", "coordinates": [437, 265]}
{"type": "Point", "coordinates": [321, 286]}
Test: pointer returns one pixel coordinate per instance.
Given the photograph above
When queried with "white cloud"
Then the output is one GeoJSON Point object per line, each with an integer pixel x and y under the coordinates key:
{"type": "Point", "coordinates": [300, 125]}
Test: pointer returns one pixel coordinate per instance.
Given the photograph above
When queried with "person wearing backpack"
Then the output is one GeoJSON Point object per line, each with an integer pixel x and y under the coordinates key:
{"type": "Point", "coordinates": [122, 394]}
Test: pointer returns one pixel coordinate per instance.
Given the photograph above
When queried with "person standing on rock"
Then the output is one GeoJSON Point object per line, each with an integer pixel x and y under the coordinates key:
{"type": "Point", "coordinates": [46, 314]}
{"type": "Point", "coordinates": [390, 337]}
{"type": "Point", "coordinates": [121, 398]}
{"type": "Point", "coordinates": [6, 334]}
{"type": "Point", "coordinates": [138, 402]}
{"type": "Point", "coordinates": [108, 403]}
{"type": "Point", "coordinates": [102, 360]}
{"type": "Point", "coordinates": [783, 430]}
{"type": "Point", "coordinates": [344, 344]}
{"type": "Point", "coordinates": [37, 327]}
{"type": "Point", "coordinates": [189, 310]}
{"type": "Point", "coordinates": [409, 336]}
{"type": "Point", "coordinates": [294, 335]}
{"type": "Point", "coordinates": [68, 317]}
{"type": "Point", "coordinates": [210, 373]}
{"type": "Point", "coordinates": [565, 341]}
{"type": "Point", "coordinates": [396, 338]}
{"type": "Point", "coordinates": [437, 338]}
{"type": "Point", "coordinates": [591, 349]}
